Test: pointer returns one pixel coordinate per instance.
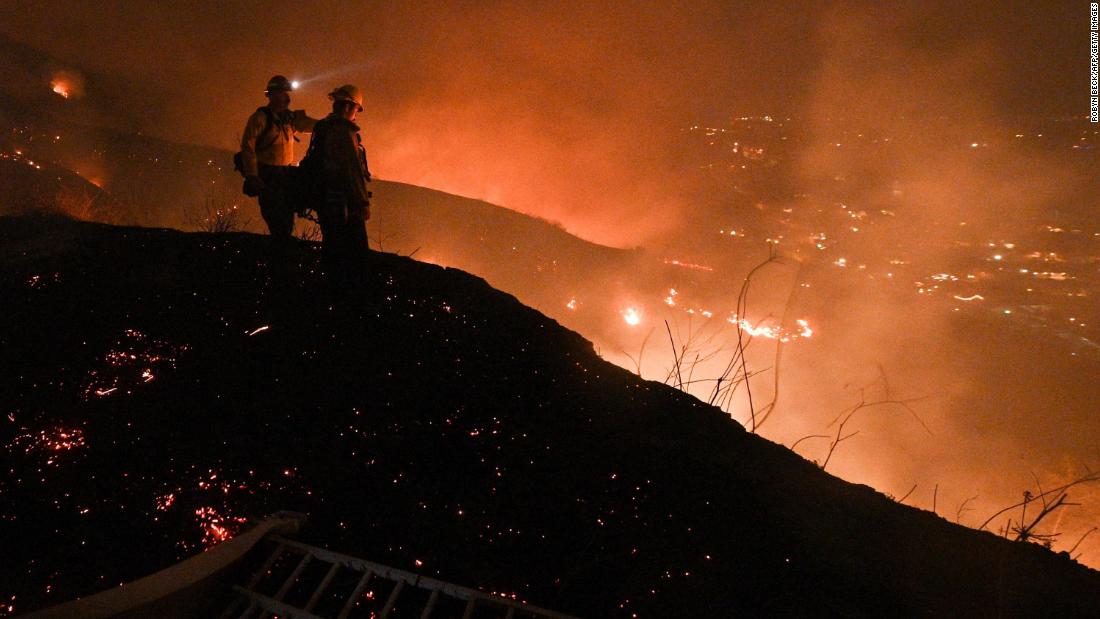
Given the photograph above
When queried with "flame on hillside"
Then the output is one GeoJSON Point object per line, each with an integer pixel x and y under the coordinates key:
{"type": "Point", "coordinates": [67, 84]}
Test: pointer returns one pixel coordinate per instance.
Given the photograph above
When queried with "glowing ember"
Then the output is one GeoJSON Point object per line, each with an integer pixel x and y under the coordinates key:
{"type": "Point", "coordinates": [48, 441]}
{"type": "Point", "coordinates": [215, 527]}
{"type": "Point", "coordinates": [571, 305]}
{"type": "Point", "coordinates": [129, 363]}
{"type": "Point", "coordinates": [973, 297]}
{"type": "Point", "coordinates": [632, 316]}
{"type": "Point", "coordinates": [163, 502]}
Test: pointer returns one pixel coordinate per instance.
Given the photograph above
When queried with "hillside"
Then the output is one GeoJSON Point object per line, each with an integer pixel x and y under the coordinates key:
{"type": "Point", "coordinates": [100, 174]}
{"type": "Point", "coordinates": [104, 159]}
{"type": "Point", "coordinates": [159, 390]}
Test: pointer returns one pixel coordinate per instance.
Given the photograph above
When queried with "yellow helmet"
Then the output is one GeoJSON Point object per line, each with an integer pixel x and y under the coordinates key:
{"type": "Point", "coordinates": [347, 92]}
{"type": "Point", "coordinates": [278, 83]}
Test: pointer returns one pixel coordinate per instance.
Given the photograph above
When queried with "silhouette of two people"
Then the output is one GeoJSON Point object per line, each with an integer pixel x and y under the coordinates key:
{"type": "Point", "coordinates": [331, 180]}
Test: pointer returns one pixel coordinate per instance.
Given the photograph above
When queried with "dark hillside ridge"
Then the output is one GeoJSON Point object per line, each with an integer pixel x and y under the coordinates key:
{"type": "Point", "coordinates": [157, 386]}
{"type": "Point", "coordinates": [146, 181]}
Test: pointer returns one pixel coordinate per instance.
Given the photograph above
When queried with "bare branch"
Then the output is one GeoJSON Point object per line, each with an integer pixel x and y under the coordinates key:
{"type": "Point", "coordinates": [902, 499]}
{"type": "Point", "coordinates": [1088, 478]}
{"type": "Point", "coordinates": [795, 444]}
{"type": "Point", "coordinates": [839, 439]}
{"type": "Point", "coordinates": [1027, 532]}
{"type": "Point", "coordinates": [963, 508]}
{"type": "Point", "coordinates": [641, 352]}
{"type": "Point", "coordinates": [676, 359]}
{"type": "Point", "coordinates": [1087, 533]}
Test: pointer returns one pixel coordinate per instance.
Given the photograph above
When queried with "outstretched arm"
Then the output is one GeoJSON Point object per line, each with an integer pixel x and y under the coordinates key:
{"type": "Point", "coordinates": [301, 122]}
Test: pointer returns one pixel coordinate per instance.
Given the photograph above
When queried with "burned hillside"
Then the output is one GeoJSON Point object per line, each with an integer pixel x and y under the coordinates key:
{"type": "Point", "coordinates": [160, 389]}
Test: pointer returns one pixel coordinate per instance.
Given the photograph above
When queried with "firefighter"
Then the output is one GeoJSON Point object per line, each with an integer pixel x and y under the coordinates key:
{"type": "Point", "coordinates": [267, 152]}
{"type": "Point", "coordinates": [336, 163]}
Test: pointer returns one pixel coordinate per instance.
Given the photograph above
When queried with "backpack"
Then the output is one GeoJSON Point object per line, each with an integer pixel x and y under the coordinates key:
{"type": "Point", "coordinates": [269, 122]}
{"type": "Point", "coordinates": [309, 168]}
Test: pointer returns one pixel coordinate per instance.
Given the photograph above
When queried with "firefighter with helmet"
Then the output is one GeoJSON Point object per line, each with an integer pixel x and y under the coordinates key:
{"type": "Point", "coordinates": [336, 165]}
{"type": "Point", "coordinates": [267, 155]}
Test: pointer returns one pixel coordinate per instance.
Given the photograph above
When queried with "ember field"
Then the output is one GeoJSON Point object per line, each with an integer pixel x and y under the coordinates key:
{"type": "Point", "coordinates": [159, 391]}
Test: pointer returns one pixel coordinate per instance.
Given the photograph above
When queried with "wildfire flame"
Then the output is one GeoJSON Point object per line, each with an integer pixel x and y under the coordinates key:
{"type": "Point", "coordinates": [632, 316]}
{"type": "Point", "coordinates": [806, 330]}
{"type": "Point", "coordinates": [67, 84]}
{"type": "Point", "coordinates": [773, 331]}
{"type": "Point", "coordinates": [60, 88]}
{"type": "Point", "coordinates": [689, 265]}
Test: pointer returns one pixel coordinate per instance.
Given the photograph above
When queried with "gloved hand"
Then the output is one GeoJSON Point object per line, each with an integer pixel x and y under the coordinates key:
{"type": "Point", "coordinates": [253, 186]}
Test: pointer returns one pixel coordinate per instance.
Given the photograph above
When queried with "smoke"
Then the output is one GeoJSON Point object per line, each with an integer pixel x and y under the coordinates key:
{"type": "Point", "coordinates": [571, 112]}
{"type": "Point", "coordinates": [1003, 407]}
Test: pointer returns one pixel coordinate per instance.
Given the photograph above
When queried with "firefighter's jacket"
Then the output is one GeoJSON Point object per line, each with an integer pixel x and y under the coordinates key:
{"type": "Point", "coordinates": [275, 146]}
{"type": "Point", "coordinates": [343, 165]}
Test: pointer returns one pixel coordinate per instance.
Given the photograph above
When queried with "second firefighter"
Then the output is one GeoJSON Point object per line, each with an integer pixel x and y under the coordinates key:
{"type": "Point", "coordinates": [336, 164]}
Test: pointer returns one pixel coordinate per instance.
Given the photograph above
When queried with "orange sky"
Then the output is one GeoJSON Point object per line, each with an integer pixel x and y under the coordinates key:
{"type": "Point", "coordinates": [566, 110]}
